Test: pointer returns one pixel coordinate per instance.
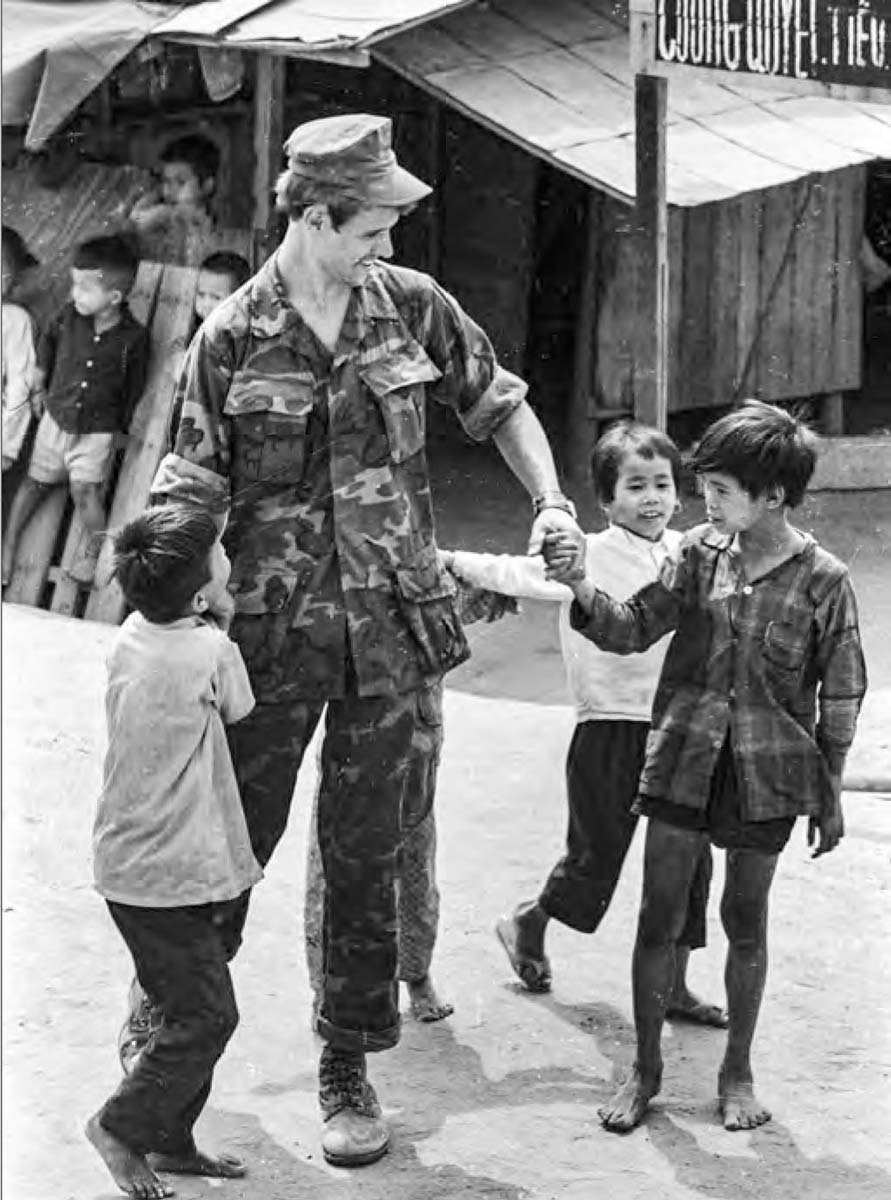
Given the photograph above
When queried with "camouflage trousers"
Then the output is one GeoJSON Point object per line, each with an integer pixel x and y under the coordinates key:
{"type": "Point", "coordinates": [378, 756]}
{"type": "Point", "coordinates": [417, 895]}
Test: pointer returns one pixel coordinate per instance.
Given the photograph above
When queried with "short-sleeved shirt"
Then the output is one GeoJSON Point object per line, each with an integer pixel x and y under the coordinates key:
{"type": "Point", "coordinates": [750, 661]}
{"type": "Point", "coordinates": [18, 376]}
{"type": "Point", "coordinates": [94, 379]}
{"type": "Point", "coordinates": [322, 457]}
{"type": "Point", "coordinates": [170, 830]}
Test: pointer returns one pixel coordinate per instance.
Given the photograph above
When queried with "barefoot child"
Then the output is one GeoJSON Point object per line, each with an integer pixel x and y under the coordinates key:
{"type": "Point", "coordinates": [754, 714]}
{"type": "Point", "coordinates": [172, 855]}
{"type": "Point", "coordinates": [91, 365]}
{"type": "Point", "coordinates": [635, 471]}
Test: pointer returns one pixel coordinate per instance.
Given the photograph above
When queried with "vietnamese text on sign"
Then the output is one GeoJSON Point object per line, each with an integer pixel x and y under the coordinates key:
{"type": "Point", "coordinates": [830, 41]}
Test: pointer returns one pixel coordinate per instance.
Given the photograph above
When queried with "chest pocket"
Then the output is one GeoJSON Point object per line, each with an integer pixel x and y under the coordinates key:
{"type": "Point", "coordinates": [785, 648]}
{"type": "Point", "coordinates": [398, 385]}
{"type": "Point", "coordinates": [268, 425]}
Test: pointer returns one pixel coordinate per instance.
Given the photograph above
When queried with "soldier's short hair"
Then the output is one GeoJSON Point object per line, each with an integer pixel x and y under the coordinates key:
{"type": "Point", "coordinates": [162, 558]}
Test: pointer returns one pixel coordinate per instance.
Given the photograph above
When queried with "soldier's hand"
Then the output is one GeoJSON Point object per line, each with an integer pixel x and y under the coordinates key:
{"type": "Point", "coordinates": [550, 520]}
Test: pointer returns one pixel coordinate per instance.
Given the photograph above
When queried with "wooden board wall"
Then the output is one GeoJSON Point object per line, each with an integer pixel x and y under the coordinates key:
{"type": "Point", "coordinates": [764, 296]}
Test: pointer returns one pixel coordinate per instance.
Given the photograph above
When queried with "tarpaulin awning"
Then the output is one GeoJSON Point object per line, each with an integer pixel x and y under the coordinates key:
{"type": "Point", "coordinates": [556, 79]}
{"type": "Point", "coordinates": [56, 52]}
{"type": "Point", "coordinates": [303, 28]}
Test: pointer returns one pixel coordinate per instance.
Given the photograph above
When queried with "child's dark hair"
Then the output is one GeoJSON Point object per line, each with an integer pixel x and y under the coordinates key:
{"type": "Point", "coordinates": [622, 439]}
{"type": "Point", "coordinates": [199, 152]}
{"type": "Point", "coordinates": [162, 558]}
{"type": "Point", "coordinates": [113, 255]}
{"type": "Point", "coordinates": [227, 262]}
{"type": "Point", "coordinates": [760, 446]}
{"type": "Point", "coordinates": [15, 247]}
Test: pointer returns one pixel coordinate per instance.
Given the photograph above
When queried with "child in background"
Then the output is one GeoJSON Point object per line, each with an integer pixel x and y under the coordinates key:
{"type": "Point", "coordinates": [172, 854]}
{"type": "Point", "coordinates": [635, 472]}
{"type": "Point", "coordinates": [17, 352]}
{"type": "Point", "coordinates": [91, 365]}
{"type": "Point", "coordinates": [219, 275]}
{"type": "Point", "coordinates": [754, 713]}
{"type": "Point", "coordinates": [174, 222]}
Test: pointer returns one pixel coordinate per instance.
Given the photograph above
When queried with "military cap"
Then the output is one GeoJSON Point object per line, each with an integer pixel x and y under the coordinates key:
{"type": "Point", "coordinates": [354, 151]}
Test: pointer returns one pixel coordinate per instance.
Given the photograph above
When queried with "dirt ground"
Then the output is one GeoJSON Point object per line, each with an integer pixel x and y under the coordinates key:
{"type": "Point", "coordinates": [499, 1102]}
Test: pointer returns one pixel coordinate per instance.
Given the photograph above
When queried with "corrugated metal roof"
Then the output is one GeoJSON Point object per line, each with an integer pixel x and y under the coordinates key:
{"type": "Point", "coordinates": [556, 78]}
{"type": "Point", "coordinates": [301, 26]}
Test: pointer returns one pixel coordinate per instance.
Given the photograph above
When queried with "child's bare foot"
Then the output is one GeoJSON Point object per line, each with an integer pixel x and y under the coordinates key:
{"type": "Point", "coordinates": [684, 1005]}
{"type": "Point", "coordinates": [626, 1109]}
{"type": "Point", "coordinates": [195, 1162]}
{"type": "Point", "coordinates": [425, 1004]}
{"type": "Point", "coordinates": [522, 936]}
{"type": "Point", "coordinates": [738, 1105]}
{"type": "Point", "coordinates": [129, 1170]}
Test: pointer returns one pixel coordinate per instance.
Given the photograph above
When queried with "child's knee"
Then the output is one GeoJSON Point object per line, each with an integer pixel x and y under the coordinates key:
{"type": "Point", "coordinates": [744, 918]}
{"type": "Point", "coordinates": [85, 495]}
{"type": "Point", "coordinates": [662, 918]}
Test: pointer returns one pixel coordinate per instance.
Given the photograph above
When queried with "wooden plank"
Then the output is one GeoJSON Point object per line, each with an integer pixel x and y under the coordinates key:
{"type": "Point", "coordinates": [676, 384]}
{"type": "Point", "coordinates": [35, 549]}
{"type": "Point", "coordinates": [782, 140]}
{"type": "Point", "coordinates": [568, 22]}
{"type": "Point", "coordinates": [651, 350]}
{"type": "Point", "coordinates": [850, 214]}
{"type": "Point", "coordinates": [832, 414]}
{"type": "Point", "coordinates": [750, 231]}
{"type": "Point", "coordinates": [825, 283]}
{"type": "Point", "coordinates": [723, 300]}
{"type": "Point", "coordinates": [616, 315]}
{"type": "Point", "coordinates": [806, 313]}
{"type": "Point", "coordinates": [148, 431]}
{"type": "Point", "coordinates": [269, 99]}
{"type": "Point", "coordinates": [696, 327]}
{"type": "Point", "coordinates": [774, 368]}
{"type": "Point", "coordinates": [578, 425]}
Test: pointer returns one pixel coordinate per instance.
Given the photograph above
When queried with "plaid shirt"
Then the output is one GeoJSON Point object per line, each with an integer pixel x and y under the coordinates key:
{"type": "Point", "coordinates": [746, 661]}
{"type": "Point", "coordinates": [323, 459]}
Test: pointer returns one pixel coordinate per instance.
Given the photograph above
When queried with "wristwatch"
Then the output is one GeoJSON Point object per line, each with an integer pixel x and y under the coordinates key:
{"type": "Point", "coordinates": [552, 500]}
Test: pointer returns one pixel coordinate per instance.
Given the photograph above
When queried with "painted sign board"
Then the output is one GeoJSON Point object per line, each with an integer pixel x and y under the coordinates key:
{"type": "Point", "coordinates": [834, 47]}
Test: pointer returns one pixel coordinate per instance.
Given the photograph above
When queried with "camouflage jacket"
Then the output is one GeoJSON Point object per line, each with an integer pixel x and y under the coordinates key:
{"type": "Point", "coordinates": [321, 461]}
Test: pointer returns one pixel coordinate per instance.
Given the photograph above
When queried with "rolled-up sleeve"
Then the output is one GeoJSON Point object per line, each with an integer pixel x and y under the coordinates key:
{"type": "Point", "coordinates": [197, 469]}
{"type": "Point", "coordinates": [481, 392]}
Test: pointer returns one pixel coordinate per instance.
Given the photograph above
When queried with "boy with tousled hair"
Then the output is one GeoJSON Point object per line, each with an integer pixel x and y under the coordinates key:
{"type": "Point", "coordinates": [754, 713]}
{"type": "Point", "coordinates": [172, 853]}
{"type": "Point", "coordinates": [635, 472]}
{"type": "Point", "coordinates": [90, 372]}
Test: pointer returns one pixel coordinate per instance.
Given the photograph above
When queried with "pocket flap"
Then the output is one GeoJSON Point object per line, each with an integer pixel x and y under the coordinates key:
{"type": "Point", "coordinates": [252, 392]}
{"type": "Point", "coordinates": [409, 366]}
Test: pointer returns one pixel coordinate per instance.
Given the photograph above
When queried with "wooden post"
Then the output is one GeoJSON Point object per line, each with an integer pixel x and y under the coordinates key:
{"type": "Point", "coordinates": [269, 97]}
{"type": "Point", "coordinates": [578, 437]}
{"type": "Point", "coordinates": [651, 350]}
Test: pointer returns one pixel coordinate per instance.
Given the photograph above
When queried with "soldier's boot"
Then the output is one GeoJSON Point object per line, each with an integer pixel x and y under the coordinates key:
{"type": "Point", "coordinates": [355, 1132]}
{"type": "Point", "coordinates": [142, 1020]}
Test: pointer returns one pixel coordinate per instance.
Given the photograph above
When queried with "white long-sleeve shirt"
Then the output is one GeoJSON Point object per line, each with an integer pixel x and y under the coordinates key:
{"type": "Point", "coordinates": [18, 362]}
{"type": "Point", "coordinates": [603, 686]}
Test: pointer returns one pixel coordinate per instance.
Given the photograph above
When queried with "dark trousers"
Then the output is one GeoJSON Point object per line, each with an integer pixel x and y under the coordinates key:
{"type": "Point", "coordinates": [603, 767]}
{"type": "Point", "coordinates": [375, 756]}
{"type": "Point", "coordinates": [181, 957]}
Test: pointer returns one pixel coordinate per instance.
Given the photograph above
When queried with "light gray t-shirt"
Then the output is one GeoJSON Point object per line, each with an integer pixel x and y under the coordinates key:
{"type": "Point", "coordinates": [170, 829]}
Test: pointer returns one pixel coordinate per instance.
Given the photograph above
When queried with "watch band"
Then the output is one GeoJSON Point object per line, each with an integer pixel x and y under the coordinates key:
{"type": "Point", "coordinates": [552, 500]}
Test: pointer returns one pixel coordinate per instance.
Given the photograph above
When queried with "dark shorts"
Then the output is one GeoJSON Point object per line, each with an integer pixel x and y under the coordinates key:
{"type": "Point", "coordinates": [722, 817]}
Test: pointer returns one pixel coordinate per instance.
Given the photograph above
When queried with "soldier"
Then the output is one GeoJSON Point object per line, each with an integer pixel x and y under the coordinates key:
{"type": "Point", "coordinates": [303, 417]}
